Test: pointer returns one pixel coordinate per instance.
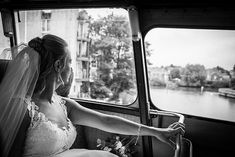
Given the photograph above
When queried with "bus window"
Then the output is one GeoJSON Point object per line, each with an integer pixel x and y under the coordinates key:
{"type": "Point", "coordinates": [101, 47]}
{"type": "Point", "coordinates": [192, 71]}
{"type": "Point", "coordinates": [5, 52]}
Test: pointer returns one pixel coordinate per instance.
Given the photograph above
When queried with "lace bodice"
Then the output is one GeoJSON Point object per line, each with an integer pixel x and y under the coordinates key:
{"type": "Point", "coordinates": [45, 138]}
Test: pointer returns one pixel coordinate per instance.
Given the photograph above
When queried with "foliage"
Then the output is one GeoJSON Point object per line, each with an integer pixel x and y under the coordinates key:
{"type": "Point", "coordinates": [221, 70]}
{"type": "Point", "coordinates": [124, 147]}
{"type": "Point", "coordinates": [157, 82]}
{"type": "Point", "coordinates": [233, 83]}
{"type": "Point", "coordinates": [99, 90]}
{"type": "Point", "coordinates": [193, 73]}
{"type": "Point", "coordinates": [111, 41]}
{"type": "Point", "coordinates": [220, 84]}
{"type": "Point", "coordinates": [120, 82]}
{"type": "Point", "coordinates": [175, 73]}
{"type": "Point", "coordinates": [111, 44]}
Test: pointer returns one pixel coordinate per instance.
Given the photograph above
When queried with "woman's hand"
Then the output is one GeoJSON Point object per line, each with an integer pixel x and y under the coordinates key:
{"type": "Point", "coordinates": [168, 135]}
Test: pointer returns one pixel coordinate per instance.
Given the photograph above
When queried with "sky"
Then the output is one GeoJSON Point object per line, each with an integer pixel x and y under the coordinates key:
{"type": "Point", "coordinates": [210, 48]}
{"type": "Point", "coordinates": [96, 13]}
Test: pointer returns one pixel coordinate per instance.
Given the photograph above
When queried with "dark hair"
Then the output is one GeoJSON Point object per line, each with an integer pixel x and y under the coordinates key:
{"type": "Point", "coordinates": [50, 49]}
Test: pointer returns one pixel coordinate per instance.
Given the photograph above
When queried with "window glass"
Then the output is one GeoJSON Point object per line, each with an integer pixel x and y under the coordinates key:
{"type": "Point", "coordinates": [192, 71]}
{"type": "Point", "coordinates": [5, 52]}
{"type": "Point", "coordinates": [101, 47]}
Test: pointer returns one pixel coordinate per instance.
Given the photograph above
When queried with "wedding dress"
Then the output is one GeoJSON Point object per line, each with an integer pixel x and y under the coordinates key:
{"type": "Point", "coordinates": [44, 137]}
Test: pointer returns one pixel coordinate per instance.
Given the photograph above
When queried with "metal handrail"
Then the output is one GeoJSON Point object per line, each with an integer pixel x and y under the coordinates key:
{"type": "Point", "coordinates": [181, 120]}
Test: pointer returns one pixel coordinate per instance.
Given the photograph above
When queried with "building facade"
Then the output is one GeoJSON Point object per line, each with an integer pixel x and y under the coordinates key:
{"type": "Point", "coordinates": [71, 25]}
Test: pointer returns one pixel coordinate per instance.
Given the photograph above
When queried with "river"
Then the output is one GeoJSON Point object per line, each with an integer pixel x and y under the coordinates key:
{"type": "Point", "coordinates": [192, 101]}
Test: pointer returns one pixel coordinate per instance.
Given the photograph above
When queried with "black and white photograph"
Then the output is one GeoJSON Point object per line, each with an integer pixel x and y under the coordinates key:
{"type": "Point", "coordinates": [117, 78]}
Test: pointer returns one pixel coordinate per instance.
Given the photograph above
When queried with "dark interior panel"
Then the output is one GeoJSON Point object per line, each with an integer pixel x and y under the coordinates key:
{"type": "Point", "coordinates": [209, 138]}
{"type": "Point", "coordinates": [192, 17]}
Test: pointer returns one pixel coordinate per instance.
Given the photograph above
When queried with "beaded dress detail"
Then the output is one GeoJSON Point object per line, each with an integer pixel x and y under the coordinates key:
{"type": "Point", "coordinates": [45, 138]}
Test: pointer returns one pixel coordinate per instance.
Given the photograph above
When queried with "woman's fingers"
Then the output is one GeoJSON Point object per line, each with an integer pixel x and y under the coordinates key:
{"type": "Point", "coordinates": [179, 130]}
{"type": "Point", "coordinates": [177, 124]}
{"type": "Point", "coordinates": [170, 135]}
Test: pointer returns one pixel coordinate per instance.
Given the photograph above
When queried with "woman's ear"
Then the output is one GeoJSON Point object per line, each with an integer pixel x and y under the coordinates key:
{"type": "Point", "coordinates": [58, 66]}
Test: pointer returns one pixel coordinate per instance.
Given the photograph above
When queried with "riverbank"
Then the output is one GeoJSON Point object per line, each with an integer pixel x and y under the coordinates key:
{"type": "Point", "coordinates": [227, 92]}
{"type": "Point", "coordinates": [187, 88]}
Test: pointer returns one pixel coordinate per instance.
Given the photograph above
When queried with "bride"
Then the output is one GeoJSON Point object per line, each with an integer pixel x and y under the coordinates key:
{"type": "Point", "coordinates": [30, 83]}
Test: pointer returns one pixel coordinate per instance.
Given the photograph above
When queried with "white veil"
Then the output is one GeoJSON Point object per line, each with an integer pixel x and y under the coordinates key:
{"type": "Point", "coordinates": [17, 84]}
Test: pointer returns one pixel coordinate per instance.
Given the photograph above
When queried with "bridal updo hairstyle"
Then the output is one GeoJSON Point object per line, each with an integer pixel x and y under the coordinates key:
{"type": "Point", "coordinates": [50, 49]}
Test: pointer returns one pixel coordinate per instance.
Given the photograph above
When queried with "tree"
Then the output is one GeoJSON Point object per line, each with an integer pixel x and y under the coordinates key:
{"type": "Point", "coordinates": [233, 79]}
{"type": "Point", "coordinates": [194, 74]}
{"type": "Point", "coordinates": [111, 38]}
{"type": "Point", "coordinates": [175, 73]}
{"type": "Point", "coordinates": [99, 90]}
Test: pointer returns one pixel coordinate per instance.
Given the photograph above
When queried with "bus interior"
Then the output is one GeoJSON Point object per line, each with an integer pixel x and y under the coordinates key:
{"type": "Point", "coordinates": [154, 61]}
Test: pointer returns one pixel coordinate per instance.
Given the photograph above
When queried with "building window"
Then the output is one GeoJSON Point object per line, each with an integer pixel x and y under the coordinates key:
{"type": "Point", "coordinates": [45, 25]}
{"type": "Point", "coordinates": [46, 19]}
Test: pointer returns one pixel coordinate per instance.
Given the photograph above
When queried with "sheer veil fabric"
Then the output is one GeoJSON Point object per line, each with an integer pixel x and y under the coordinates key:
{"type": "Point", "coordinates": [18, 83]}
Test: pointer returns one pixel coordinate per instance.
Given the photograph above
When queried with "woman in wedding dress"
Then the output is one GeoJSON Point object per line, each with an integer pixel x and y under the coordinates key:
{"type": "Point", "coordinates": [51, 131]}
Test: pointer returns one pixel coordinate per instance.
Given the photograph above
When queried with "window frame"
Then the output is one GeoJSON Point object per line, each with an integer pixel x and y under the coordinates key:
{"type": "Point", "coordinates": [134, 104]}
{"type": "Point", "coordinates": [154, 105]}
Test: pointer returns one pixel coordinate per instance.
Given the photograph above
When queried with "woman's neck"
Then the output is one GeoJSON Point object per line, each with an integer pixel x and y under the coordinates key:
{"type": "Point", "coordinates": [48, 91]}
{"type": "Point", "coordinates": [46, 95]}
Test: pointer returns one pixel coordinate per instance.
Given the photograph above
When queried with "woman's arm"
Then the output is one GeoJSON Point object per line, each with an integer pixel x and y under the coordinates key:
{"type": "Point", "coordinates": [111, 123]}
